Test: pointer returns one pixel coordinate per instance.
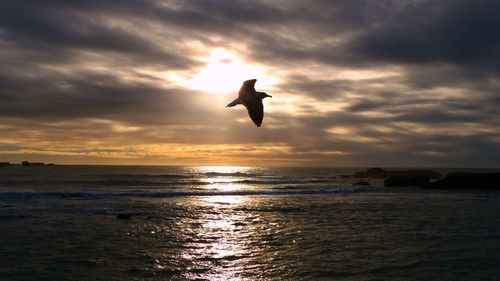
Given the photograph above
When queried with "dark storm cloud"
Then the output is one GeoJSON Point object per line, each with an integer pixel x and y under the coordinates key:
{"type": "Point", "coordinates": [385, 31]}
{"type": "Point", "coordinates": [55, 27]}
{"type": "Point", "coordinates": [462, 32]}
{"type": "Point", "coordinates": [276, 31]}
{"type": "Point", "coordinates": [458, 32]}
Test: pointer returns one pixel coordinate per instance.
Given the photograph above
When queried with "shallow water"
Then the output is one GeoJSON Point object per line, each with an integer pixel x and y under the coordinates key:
{"type": "Point", "coordinates": [59, 223]}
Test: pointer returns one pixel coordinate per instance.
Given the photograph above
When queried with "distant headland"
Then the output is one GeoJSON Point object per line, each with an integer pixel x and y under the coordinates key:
{"type": "Point", "coordinates": [26, 164]}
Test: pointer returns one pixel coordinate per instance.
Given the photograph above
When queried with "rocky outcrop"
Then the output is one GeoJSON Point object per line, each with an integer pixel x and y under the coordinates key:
{"type": "Point", "coordinates": [451, 181]}
{"type": "Point", "coordinates": [361, 183]}
{"type": "Point", "coordinates": [27, 164]}
{"type": "Point", "coordinates": [3, 164]}
{"type": "Point", "coordinates": [419, 181]}
{"type": "Point", "coordinates": [379, 173]}
{"type": "Point", "coordinates": [469, 181]}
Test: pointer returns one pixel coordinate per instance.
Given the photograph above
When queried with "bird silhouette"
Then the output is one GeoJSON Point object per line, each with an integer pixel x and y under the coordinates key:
{"type": "Point", "coordinates": [252, 100]}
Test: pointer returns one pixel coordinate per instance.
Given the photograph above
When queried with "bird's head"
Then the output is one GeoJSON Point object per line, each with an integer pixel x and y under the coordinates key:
{"type": "Point", "coordinates": [262, 95]}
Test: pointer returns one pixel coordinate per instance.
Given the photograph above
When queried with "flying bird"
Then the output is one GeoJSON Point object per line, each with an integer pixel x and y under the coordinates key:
{"type": "Point", "coordinates": [252, 100]}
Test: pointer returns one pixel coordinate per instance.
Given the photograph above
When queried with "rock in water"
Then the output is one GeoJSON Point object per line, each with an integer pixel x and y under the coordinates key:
{"type": "Point", "coordinates": [420, 181]}
{"type": "Point", "coordinates": [372, 173]}
{"type": "Point", "coordinates": [124, 216]}
{"type": "Point", "coordinates": [469, 181]}
{"type": "Point", "coordinates": [361, 183]}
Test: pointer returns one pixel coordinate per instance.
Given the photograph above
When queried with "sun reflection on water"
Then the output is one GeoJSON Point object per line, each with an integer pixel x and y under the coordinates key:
{"type": "Point", "coordinates": [219, 241]}
{"type": "Point", "coordinates": [224, 199]}
{"type": "Point", "coordinates": [218, 244]}
{"type": "Point", "coordinates": [223, 169]}
{"type": "Point", "coordinates": [224, 178]}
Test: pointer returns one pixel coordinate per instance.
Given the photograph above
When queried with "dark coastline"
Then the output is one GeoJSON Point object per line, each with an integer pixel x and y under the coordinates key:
{"type": "Point", "coordinates": [434, 180]}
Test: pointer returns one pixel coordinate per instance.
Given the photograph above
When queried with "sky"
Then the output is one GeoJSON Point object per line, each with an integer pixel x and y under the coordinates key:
{"type": "Point", "coordinates": [392, 83]}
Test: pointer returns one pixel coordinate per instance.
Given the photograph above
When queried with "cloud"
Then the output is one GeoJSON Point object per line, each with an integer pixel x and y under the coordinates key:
{"type": "Point", "coordinates": [361, 82]}
{"type": "Point", "coordinates": [457, 32]}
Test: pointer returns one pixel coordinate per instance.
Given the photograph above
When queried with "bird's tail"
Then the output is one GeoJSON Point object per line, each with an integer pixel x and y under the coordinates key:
{"type": "Point", "coordinates": [234, 102]}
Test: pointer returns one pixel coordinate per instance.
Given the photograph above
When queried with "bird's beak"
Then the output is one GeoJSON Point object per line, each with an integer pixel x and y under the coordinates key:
{"type": "Point", "coordinates": [269, 96]}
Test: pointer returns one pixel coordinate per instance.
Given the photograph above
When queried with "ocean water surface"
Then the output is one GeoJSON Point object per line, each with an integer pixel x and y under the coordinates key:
{"type": "Point", "coordinates": [238, 223]}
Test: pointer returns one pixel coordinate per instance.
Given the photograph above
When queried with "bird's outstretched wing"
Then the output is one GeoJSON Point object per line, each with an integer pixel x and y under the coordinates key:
{"type": "Point", "coordinates": [234, 102]}
{"type": "Point", "coordinates": [248, 88]}
{"type": "Point", "coordinates": [255, 111]}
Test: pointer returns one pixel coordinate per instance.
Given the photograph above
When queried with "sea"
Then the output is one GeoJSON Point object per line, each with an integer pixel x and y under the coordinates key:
{"type": "Point", "coordinates": [239, 223]}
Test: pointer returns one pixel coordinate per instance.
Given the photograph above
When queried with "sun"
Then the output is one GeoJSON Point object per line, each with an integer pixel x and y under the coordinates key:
{"type": "Point", "coordinates": [225, 72]}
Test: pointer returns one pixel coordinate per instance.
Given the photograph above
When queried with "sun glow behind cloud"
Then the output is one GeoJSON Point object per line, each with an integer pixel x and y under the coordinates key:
{"type": "Point", "coordinates": [224, 73]}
